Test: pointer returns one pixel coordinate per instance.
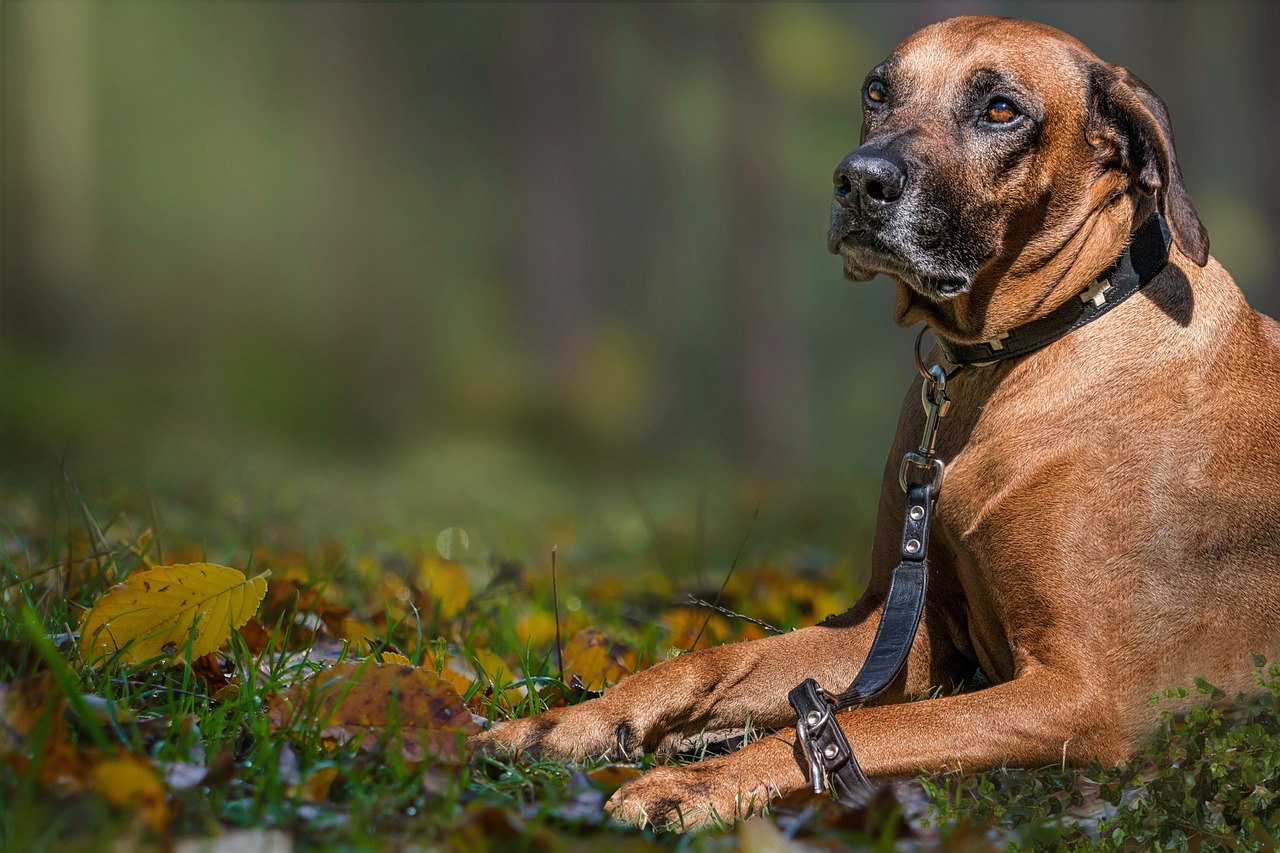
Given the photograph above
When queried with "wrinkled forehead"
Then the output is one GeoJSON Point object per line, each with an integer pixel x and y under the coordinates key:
{"type": "Point", "coordinates": [947, 57]}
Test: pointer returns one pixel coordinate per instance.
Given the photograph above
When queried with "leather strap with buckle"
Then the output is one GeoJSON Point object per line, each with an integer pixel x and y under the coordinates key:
{"type": "Point", "coordinates": [1142, 260]}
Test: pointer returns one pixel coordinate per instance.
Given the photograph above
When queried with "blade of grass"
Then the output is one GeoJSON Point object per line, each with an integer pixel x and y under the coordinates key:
{"type": "Point", "coordinates": [555, 607]}
{"type": "Point", "coordinates": [33, 632]}
{"type": "Point", "coordinates": [742, 545]}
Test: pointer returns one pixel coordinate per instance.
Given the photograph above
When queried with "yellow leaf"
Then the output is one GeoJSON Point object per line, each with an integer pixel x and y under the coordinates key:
{"type": "Point", "coordinates": [689, 624]}
{"type": "Point", "coordinates": [537, 626]}
{"type": "Point", "coordinates": [498, 674]}
{"type": "Point", "coordinates": [315, 788]}
{"type": "Point", "coordinates": [355, 631]}
{"type": "Point", "coordinates": [395, 657]}
{"type": "Point", "coordinates": [459, 675]}
{"type": "Point", "coordinates": [157, 613]}
{"type": "Point", "coordinates": [131, 780]}
{"type": "Point", "coordinates": [446, 583]}
{"type": "Point", "coordinates": [596, 661]}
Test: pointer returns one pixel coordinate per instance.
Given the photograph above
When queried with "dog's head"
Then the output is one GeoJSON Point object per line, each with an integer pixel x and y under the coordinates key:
{"type": "Point", "coordinates": [997, 158]}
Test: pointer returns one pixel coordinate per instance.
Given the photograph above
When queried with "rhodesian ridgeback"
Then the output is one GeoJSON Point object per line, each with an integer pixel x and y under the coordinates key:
{"type": "Point", "coordinates": [1109, 524]}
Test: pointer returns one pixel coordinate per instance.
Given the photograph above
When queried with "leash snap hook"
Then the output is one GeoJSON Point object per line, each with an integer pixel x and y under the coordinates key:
{"type": "Point", "coordinates": [933, 396]}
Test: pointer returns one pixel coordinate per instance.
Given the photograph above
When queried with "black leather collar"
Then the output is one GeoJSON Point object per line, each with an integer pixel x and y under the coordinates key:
{"type": "Point", "coordinates": [1145, 256]}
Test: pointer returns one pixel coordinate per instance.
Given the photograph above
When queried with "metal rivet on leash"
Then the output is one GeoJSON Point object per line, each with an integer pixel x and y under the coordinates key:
{"type": "Point", "coordinates": [917, 513]}
{"type": "Point", "coordinates": [830, 752]}
{"type": "Point", "coordinates": [813, 719]}
{"type": "Point", "coordinates": [913, 545]}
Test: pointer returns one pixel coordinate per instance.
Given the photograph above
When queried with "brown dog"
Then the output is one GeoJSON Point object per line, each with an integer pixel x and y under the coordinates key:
{"type": "Point", "coordinates": [1110, 522]}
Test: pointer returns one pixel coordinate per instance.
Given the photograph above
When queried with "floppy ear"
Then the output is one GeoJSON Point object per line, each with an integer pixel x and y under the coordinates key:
{"type": "Point", "coordinates": [1127, 116]}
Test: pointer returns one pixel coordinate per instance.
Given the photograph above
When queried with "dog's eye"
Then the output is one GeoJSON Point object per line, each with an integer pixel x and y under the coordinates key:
{"type": "Point", "coordinates": [1001, 111]}
{"type": "Point", "coordinates": [877, 92]}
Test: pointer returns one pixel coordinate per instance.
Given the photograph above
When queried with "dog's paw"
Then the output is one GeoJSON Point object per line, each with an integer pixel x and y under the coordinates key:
{"type": "Point", "coordinates": [706, 795]}
{"type": "Point", "coordinates": [579, 733]}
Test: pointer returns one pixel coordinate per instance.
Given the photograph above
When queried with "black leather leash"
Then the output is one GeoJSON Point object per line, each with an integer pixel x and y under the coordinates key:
{"type": "Point", "coordinates": [828, 751]}
{"type": "Point", "coordinates": [831, 760]}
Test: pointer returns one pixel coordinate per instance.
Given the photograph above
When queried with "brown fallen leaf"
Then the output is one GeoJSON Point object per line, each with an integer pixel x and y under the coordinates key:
{"type": "Point", "coordinates": [257, 637]}
{"type": "Point", "coordinates": [208, 669]}
{"type": "Point", "coordinates": [410, 707]}
{"type": "Point", "coordinates": [33, 711]}
{"type": "Point", "coordinates": [24, 704]}
{"type": "Point", "coordinates": [592, 660]}
{"type": "Point", "coordinates": [290, 590]}
{"type": "Point", "coordinates": [162, 611]}
{"type": "Point", "coordinates": [302, 601]}
{"type": "Point", "coordinates": [484, 826]}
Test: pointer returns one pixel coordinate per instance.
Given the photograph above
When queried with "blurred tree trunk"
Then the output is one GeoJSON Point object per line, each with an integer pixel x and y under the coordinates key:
{"type": "Point", "coordinates": [50, 216]}
{"type": "Point", "coordinates": [548, 170]}
{"type": "Point", "coordinates": [770, 366]}
{"type": "Point", "coordinates": [1268, 40]}
{"type": "Point", "coordinates": [371, 342]}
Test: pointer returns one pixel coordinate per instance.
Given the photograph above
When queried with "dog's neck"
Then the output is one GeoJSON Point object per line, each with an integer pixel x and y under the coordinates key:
{"type": "Point", "coordinates": [1039, 278]}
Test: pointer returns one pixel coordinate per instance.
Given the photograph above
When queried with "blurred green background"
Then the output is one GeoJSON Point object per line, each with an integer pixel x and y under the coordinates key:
{"type": "Point", "coordinates": [548, 274]}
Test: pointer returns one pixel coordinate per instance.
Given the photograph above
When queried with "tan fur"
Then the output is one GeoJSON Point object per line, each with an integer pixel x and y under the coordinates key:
{"type": "Point", "coordinates": [1109, 525]}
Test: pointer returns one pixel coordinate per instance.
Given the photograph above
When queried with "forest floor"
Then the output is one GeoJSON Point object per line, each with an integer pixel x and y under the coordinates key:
{"type": "Point", "coordinates": [315, 694]}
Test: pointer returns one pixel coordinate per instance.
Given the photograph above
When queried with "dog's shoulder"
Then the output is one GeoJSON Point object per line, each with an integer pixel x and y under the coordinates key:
{"type": "Point", "coordinates": [1271, 332]}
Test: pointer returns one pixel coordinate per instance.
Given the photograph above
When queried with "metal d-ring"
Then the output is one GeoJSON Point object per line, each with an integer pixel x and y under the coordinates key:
{"type": "Point", "coordinates": [919, 460]}
{"type": "Point", "coordinates": [925, 372]}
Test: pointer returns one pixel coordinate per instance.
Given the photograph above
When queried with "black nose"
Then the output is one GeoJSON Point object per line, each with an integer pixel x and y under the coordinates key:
{"type": "Point", "coordinates": [872, 177]}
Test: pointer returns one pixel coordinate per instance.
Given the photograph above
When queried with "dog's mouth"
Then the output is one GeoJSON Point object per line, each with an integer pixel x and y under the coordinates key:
{"type": "Point", "coordinates": [866, 253]}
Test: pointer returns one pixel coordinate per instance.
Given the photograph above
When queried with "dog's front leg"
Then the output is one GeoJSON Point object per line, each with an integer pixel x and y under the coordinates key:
{"type": "Point", "coordinates": [1042, 717]}
{"type": "Point", "coordinates": [712, 691]}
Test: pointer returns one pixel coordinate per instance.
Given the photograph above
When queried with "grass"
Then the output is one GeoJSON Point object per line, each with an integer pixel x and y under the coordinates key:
{"type": "Point", "coordinates": [1208, 781]}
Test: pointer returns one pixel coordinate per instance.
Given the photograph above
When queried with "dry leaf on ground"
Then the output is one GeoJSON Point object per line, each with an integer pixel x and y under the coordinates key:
{"type": "Point", "coordinates": [453, 670]}
{"type": "Point", "coordinates": [592, 660]}
{"type": "Point", "coordinates": [366, 702]}
{"type": "Point", "coordinates": [688, 624]}
{"type": "Point", "coordinates": [315, 787]}
{"type": "Point", "coordinates": [159, 612]}
{"type": "Point", "coordinates": [445, 585]}
{"type": "Point", "coordinates": [130, 780]}
{"type": "Point", "coordinates": [32, 711]}
{"type": "Point", "coordinates": [396, 657]}
{"type": "Point", "coordinates": [26, 707]}
{"type": "Point", "coordinates": [257, 637]}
